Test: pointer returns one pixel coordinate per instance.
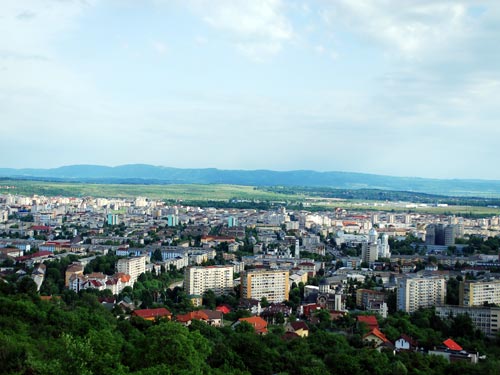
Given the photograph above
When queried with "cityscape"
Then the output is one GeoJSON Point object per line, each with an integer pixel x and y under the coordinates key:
{"type": "Point", "coordinates": [281, 271]}
{"type": "Point", "coordinates": [249, 187]}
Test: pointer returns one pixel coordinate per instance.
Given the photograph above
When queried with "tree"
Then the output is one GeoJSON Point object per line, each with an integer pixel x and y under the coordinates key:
{"type": "Point", "coordinates": [171, 344]}
{"type": "Point", "coordinates": [210, 299]}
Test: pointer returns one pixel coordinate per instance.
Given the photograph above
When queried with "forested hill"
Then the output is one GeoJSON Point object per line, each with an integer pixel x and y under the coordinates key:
{"type": "Point", "coordinates": [141, 173]}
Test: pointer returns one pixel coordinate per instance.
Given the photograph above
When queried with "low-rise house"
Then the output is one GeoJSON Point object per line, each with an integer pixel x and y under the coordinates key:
{"type": "Point", "coordinates": [454, 352]}
{"type": "Point", "coordinates": [252, 305]}
{"type": "Point", "coordinates": [369, 320]}
{"type": "Point", "coordinates": [258, 324]}
{"type": "Point", "coordinates": [300, 328]}
{"type": "Point", "coordinates": [153, 314]}
{"type": "Point", "coordinates": [224, 309]}
{"type": "Point", "coordinates": [186, 319]}
{"type": "Point", "coordinates": [274, 310]}
{"type": "Point", "coordinates": [406, 343]}
{"type": "Point", "coordinates": [210, 317]}
{"type": "Point", "coordinates": [377, 339]}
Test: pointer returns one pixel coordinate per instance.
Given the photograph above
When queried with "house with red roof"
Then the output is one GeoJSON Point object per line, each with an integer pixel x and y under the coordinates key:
{"type": "Point", "coordinates": [258, 324]}
{"type": "Point", "coordinates": [452, 345]}
{"type": "Point", "coordinates": [454, 352]}
{"type": "Point", "coordinates": [153, 314]}
{"type": "Point", "coordinates": [369, 320]}
{"type": "Point", "coordinates": [225, 309]}
{"type": "Point", "coordinates": [376, 339]}
{"type": "Point", "coordinates": [186, 319]}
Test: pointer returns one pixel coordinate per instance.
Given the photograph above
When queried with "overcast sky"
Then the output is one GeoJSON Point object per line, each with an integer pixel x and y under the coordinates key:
{"type": "Point", "coordinates": [396, 87]}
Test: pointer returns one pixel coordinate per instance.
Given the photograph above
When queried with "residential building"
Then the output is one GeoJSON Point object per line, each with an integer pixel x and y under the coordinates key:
{"type": "Point", "coordinates": [416, 292]}
{"type": "Point", "coordinates": [484, 318]}
{"type": "Point", "coordinates": [300, 328]}
{"type": "Point", "coordinates": [73, 269]}
{"type": "Point", "coordinates": [271, 284]}
{"type": "Point", "coordinates": [198, 280]}
{"type": "Point", "coordinates": [153, 314]}
{"type": "Point", "coordinates": [258, 324]}
{"type": "Point", "coordinates": [112, 219]}
{"type": "Point", "coordinates": [477, 293]}
{"type": "Point", "coordinates": [365, 296]}
{"type": "Point", "coordinates": [232, 221]}
{"type": "Point", "coordinates": [132, 266]}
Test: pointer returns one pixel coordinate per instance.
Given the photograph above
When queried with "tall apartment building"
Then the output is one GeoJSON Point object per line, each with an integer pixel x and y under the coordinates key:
{"type": "Point", "coordinates": [441, 234]}
{"type": "Point", "coordinates": [477, 293]}
{"type": "Point", "coordinates": [369, 253]}
{"type": "Point", "coordinates": [198, 280]}
{"type": "Point", "coordinates": [272, 284]}
{"type": "Point", "coordinates": [132, 266]}
{"type": "Point", "coordinates": [416, 292]}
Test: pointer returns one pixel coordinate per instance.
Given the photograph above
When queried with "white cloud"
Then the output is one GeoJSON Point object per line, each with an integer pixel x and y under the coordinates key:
{"type": "Point", "coordinates": [258, 28]}
{"type": "Point", "coordinates": [409, 27]}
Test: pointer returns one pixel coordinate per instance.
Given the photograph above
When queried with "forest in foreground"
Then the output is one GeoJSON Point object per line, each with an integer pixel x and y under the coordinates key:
{"type": "Point", "coordinates": [75, 334]}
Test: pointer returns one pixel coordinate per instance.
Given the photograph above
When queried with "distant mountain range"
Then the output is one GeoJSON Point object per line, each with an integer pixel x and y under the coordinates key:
{"type": "Point", "coordinates": [149, 174]}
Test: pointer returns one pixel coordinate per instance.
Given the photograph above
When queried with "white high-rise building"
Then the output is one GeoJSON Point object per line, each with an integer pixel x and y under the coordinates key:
{"type": "Point", "coordinates": [416, 292]}
{"type": "Point", "coordinates": [219, 279]}
{"type": "Point", "coordinates": [132, 266]}
{"type": "Point", "coordinates": [297, 249]}
{"type": "Point", "coordinates": [384, 250]}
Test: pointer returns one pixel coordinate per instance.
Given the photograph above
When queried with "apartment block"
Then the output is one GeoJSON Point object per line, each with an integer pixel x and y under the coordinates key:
{"type": "Point", "coordinates": [477, 293]}
{"type": "Point", "coordinates": [272, 284]}
{"type": "Point", "coordinates": [198, 280]}
{"type": "Point", "coordinates": [416, 292]}
{"type": "Point", "coordinates": [486, 319]}
{"type": "Point", "coordinates": [132, 266]}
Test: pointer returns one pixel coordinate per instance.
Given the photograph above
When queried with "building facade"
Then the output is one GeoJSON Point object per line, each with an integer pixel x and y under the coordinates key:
{"type": "Point", "coordinates": [416, 292]}
{"type": "Point", "coordinates": [132, 266]}
{"type": "Point", "coordinates": [486, 319]}
{"type": "Point", "coordinates": [219, 279]}
{"type": "Point", "coordinates": [271, 284]}
{"type": "Point", "coordinates": [477, 293]}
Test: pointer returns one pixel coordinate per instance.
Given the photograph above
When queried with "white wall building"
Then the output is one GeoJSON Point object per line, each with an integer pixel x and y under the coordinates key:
{"type": "Point", "coordinates": [219, 279]}
{"type": "Point", "coordinates": [132, 266]}
{"type": "Point", "coordinates": [416, 292]}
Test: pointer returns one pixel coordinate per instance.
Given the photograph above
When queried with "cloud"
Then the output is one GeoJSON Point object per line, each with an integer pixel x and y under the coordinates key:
{"type": "Point", "coordinates": [258, 28]}
{"type": "Point", "coordinates": [409, 28]}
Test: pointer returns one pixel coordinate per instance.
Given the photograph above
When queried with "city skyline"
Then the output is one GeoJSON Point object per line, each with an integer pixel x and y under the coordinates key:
{"type": "Point", "coordinates": [393, 88]}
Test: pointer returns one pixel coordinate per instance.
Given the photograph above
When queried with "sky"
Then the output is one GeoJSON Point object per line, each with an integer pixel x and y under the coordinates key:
{"type": "Point", "coordinates": [393, 87]}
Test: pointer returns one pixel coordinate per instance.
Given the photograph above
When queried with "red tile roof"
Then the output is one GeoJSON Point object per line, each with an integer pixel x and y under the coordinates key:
{"type": "Point", "coordinates": [223, 309]}
{"type": "Point", "coordinates": [152, 313]}
{"type": "Point", "coordinates": [369, 320]}
{"type": "Point", "coordinates": [452, 345]}
{"type": "Point", "coordinates": [193, 315]}
{"type": "Point", "coordinates": [375, 332]}
{"type": "Point", "coordinates": [259, 324]}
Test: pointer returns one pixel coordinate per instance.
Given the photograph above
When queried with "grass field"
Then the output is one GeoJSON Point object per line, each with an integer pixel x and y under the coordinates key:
{"type": "Point", "coordinates": [181, 192]}
{"type": "Point", "coordinates": [220, 193]}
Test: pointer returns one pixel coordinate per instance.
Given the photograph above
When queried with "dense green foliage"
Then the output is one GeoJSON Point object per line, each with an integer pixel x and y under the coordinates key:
{"type": "Point", "coordinates": [76, 335]}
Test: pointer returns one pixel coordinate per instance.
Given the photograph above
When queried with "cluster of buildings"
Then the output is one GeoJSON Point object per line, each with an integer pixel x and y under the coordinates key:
{"type": "Point", "coordinates": [281, 251]}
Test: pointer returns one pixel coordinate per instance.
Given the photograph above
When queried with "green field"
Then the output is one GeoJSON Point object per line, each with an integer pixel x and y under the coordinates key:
{"type": "Point", "coordinates": [180, 192]}
{"type": "Point", "coordinates": [189, 192]}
